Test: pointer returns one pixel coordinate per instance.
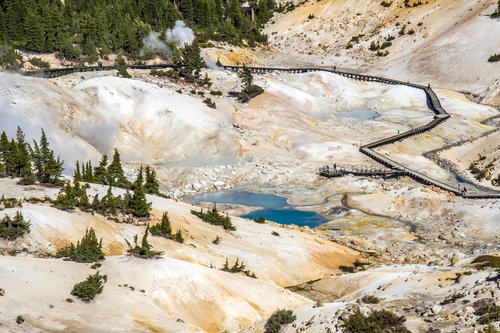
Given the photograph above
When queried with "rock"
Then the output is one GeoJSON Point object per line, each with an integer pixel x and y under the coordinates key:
{"type": "Point", "coordinates": [436, 309]}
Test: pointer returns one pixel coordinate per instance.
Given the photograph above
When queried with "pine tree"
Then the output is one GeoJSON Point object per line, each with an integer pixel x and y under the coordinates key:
{"type": "Point", "coordinates": [116, 175]}
{"type": "Point", "coordinates": [89, 249]}
{"type": "Point", "coordinates": [151, 186]}
{"type": "Point", "coordinates": [101, 171]}
{"type": "Point", "coordinates": [78, 175]}
{"type": "Point", "coordinates": [13, 228]}
{"type": "Point", "coordinates": [138, 204]}
{"type": "Point", "coordinates": [145, 250]}
{"type": "Point", "coordinates": [47, 168]}
{"type": "Point", "coordinates": [23, 156]}
{"type": "Point", "coordinates": [162, 229]}
{"type": "Point", "coordinates": [249, 90]}
{"type": "Point", "coordinates": [189, 62]}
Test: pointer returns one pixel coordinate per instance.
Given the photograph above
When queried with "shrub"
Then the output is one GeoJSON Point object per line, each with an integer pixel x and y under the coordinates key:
{"type": "Point", "coordinates": [212, 216]}
{"type": "Point", "coordinates": [208, 101]}
{"type": "Point", "coordinates": [278, 319]}
{"type": "Point", "coordinates": [452, 298]}
{"type": "Point", "coordinates": [488, 314]}
{"type": "Point", "coordinates": [370, 299]}
{"type": "Point", "coordinates": [237, 268]}
{"type": "Point", "coordinates": [310, 16]}
{"type": "Point", "coordinates": [216, 240]}
{"type": "Point", "coordinates": [13, 228]}
{"type": "Point", "coordinates": [260, 220]}
{"type": "Point", "coordinates": [38, 62]}
{"type": "Point", "coordinates": [88, 289]}
{"type": "Point", "coordinates": [19, 320]}
{"type": "Point", "coordinates": [274, 233]}
{"type": "Point", "coordinates": [89, 249]}
{"type": "Point", "coordinates": [346, 269]}
{"type": "Point", "coordinates": [386, 3]}
{"type": "Point", "coordinates": [490, 329]}
{"type": "Point", "coordinates": [145, 250]}
{"type": "Point", "coordinates": [249, 90]}
{"type": "Point", "coordinates": [377, 322]}
{"type": "Point", "coordinates": [494, 58]}
{"type": "Point", "coordinates": [9, 202]}
{"type": "Point", "coordinates": [9, 58]}
{"type": "Point", "coordinates": [216, 93]}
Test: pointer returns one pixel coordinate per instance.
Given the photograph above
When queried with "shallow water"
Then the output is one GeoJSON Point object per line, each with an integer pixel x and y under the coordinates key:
{"type": "Point", "coordinates": [275, 208]}
{"type": "Point", "coordinates": [361, 114]}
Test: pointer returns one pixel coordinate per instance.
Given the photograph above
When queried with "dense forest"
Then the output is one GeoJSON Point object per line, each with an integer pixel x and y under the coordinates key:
{"type": "Point", "coordinates": [84, 29]}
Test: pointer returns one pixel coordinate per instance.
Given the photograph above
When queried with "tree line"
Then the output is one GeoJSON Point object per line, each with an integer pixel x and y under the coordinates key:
{"type": "Point", "coordinates": [31, 163]}
{"type": "Point", "coordinates": [81, 29]}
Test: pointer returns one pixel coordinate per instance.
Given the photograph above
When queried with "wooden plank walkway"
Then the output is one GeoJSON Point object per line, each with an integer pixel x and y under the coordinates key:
{"type": "Point", "coordinates": [440, 116]}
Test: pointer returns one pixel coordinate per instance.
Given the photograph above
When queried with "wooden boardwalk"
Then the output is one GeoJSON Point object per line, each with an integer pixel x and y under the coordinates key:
{"type": "Point", "coordinates": [440, 116]}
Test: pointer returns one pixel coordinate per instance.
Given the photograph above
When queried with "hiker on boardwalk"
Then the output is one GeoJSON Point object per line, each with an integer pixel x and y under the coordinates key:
{"type": "Point", "coordinates": [334, 166]}
{"type": "Point", "coordinates": [334, 68]}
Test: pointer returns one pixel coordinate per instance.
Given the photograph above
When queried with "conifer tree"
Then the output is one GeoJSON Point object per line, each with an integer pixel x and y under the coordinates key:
{"type": "Point", "coordinates": [23, 156]}
{"type": "Point", "coordinates": [162, 229]}
{"type": "Point", "coordinates": [78, 175]}
{"type": "Point", "coordinates": [47, 168]}
{"type": "Point", "coordinates": [89, 249]}
{"type": "Point", "coordinates": [138, 205]}
{"type": "Point", "coordinates": [151, 186]}
{"type": "Point", "coordinates": [249, 90]}
{"type": "Point", "coordinates": [101, 171]}
{"type": "Point", "coordinates": [145, 250]}
{"type": "Point", "coordinates": [116, 175]}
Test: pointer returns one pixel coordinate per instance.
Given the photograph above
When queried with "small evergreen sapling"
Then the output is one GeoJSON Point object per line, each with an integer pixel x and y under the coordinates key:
{"type": "Point", "coordinates": [89, 249]}
{"type": "Point", "coordinates": [145, 250]}
{"type": "Point", "coordinates": [88, 289]}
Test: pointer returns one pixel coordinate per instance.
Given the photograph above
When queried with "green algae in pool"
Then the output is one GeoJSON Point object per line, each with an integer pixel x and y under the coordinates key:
{"type": "Point", "coordinates": [275, 208]}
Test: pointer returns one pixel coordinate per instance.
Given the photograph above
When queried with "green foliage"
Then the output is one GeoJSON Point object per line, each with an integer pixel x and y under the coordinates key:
{"type": "Point", "coordinates": [145, 250]}
{"type": "Point", "coordinates": [216, 93]}
{"type": "Point", "coordinates": [88, 289]}
{"type": "Point", "coordinates": [452, 298]}
{"type": "Point", "coordinates": [346, 269]}
{"type": "Point", "coordinates": [189, 64]}
{"type": "Point", "coordinates": [72, 196]}
{"type": "Point", "coordinates": [237, 268]}
{"type": "Point", "coordinates": [38, 62]}
{"type": "Point", "coordinates": [164, 229]}
{"type": "Point", "coordinates": [278, 319]}
{"type": "Point", "coordinates": [370, 299]}
{"type": "Point", "coordinates": [151, 185]}
{"type": "Point", "coordinates": [9, 202]}
{"type": "Point", "coordinates": [13, 228]}
{"type": "Point", "coordinates": [213, 216]}
{"type": "Point", "coordinates": [488, 314]}
{"type": "Point", "coordinates": [209, 103]}
{"type": "Point", "coordinates": [490, 329]}
{"type": "Point", "coordinates": [16, 159]}
{"type": "Point", "coordinates": [249, 90]}
{"type": "Point", "coordinates": [260, 220]}
{"type": "Point", "coordinates": [89, 249]}
{"type": "Point", "coordinates": [494, 58]}
{"type": "Point", "coordinates": [9, 58]}
{"type": "Point", "coordinates": [121, 67]}
{"type": "Point", "coordinates": [116, 176]}
{"type": "Point", "coordinates": [48, 169]}
{"type": "Point", "coordinates": [138, 204]}
{"type": "Point", "coordinates": [19, 320]}
{"type": "Point", "coordinates": [386, 3]}
{"type": "Point", "coordinates": [216, 240]}
{"type": "Point", "coordinates": [377, 322]}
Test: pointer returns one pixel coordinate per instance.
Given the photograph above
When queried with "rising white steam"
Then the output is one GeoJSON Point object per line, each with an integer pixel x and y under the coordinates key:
{"type": "Point", "coordinates": [180, 35]}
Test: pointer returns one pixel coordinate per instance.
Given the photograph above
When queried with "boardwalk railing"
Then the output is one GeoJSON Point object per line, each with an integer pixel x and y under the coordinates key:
{"type": "Point", "coordinates": [440, 115]}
